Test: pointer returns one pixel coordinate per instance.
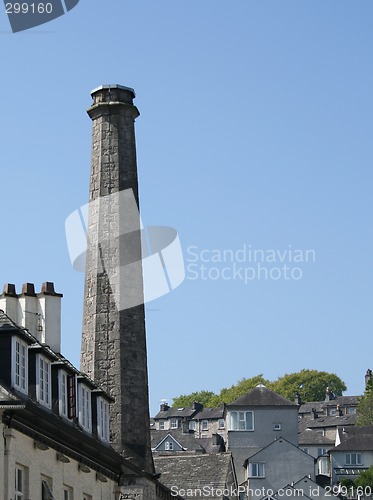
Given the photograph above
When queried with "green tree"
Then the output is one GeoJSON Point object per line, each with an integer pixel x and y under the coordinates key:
{"type": "Point", "coordinates": [228, 395]}
{"type": "Point", "coordinates": [365, 407]}
{"type": "Point", "coordinates": [365, 480]}
{"type": "Point", "coordinates": [310, 384]}
{"type": "Point", "coordinates": [188, 399]}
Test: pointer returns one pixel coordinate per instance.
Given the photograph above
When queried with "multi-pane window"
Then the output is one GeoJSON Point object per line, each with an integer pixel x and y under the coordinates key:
{"type": "Point", "coordinates": [63, 392]}
{"type": "Point", "coordinates": [256, 470]}
{"type": "Point", "coordinates": [205, 425]}
{"type": "Point", "coordinates": [174, 423]}
{"type": "Point", "coordinates": [353, 459]}
{"type": "Point", "coordinates": [161, 425]}
{"type": "Point", "coordinates": [324, 466]}
{"type": "Point", "coordinates": [19, 365]}
{"type": "Point", "coordinates": [43, 381]}
{"type": "Point", "coordinates": [84, 405]}
{"type": "Point", "coordinates": [103, 419]}
{"type": "Point", "coordinates": [221, 423]}
{"type": "Point", "coordinates": [241, 421]}
{"type": "Point", "coordinates": [192, 425]}
{"type": "Point", "coordinates": [351, 410]}
{"type": "Point", "coordinates": [20, 483]}
{"type": "Point", "coordinates": [169, 445]}
{"type": "Point", "coordinates": [46, 489]}
{"type": "Point", "coordinates": [71, 396]}
{"type": "Point", "coordinates": [67, 493]}
{"type": "Point", "coordinates": [321, 452]}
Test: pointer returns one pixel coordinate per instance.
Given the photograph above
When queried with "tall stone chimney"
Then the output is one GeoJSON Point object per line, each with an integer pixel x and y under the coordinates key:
{"type": "Point", "coordinates": [114, 341]}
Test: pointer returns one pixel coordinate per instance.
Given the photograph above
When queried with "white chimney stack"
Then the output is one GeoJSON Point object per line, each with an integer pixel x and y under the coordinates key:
{"type": "Point", "coordinates": [39, 313]}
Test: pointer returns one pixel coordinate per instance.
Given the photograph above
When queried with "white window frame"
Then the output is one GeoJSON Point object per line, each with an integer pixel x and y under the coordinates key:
{"type": "Point", "coordinates": [324, 466]}
{"type": "Point", "coordinates": [43, 381]}
{"type": "Point", "coordinates": [63, 401]}
{"type": "Point", "coordinates": [67, 492]}
{"type": "Point", "coordinates": [103, 430]}
{"type": "Point", "coordinates": [46, 489]}
{"type": "Point", "coordinates": [169, 446]}
{"type": "Point", "coordinates": [20, 365]}
{"type": "Point", "coordinates": [221, 423]}
{"type": "Point", "coordinates": [256, 470]}
{"type": "Point", "coordinates": [174, 424]}
{"type": "Point", "coordinates": [192, 425]}
{"type": "Point", "coordinates": [357, 459]}
{"type": "Point", "coordinates": [20, 482]}
{"type": "Point", "coordinates": [321, 452]}
{"type": "Point", "coordinates": [85, 407]}
{"type": "Point", "coordinates": [238, 421]}
{"type": "Point", "coordinates": [161, 425]}
{"type": "Point", "coordinates": [205, 425]}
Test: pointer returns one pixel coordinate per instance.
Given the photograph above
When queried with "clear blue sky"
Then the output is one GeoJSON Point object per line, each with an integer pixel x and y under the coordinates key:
{"type": "Point", "coordinates": [255, 129]}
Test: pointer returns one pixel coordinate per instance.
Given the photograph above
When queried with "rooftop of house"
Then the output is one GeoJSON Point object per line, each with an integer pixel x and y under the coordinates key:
{"type": "Point", "coordinates": [8, 326]}
{"type": "Point", "coordinates": [188, 441]}
{"type": "Point", "coordinates": [331, 421]}
{"type": "Point", "coordinates": [195, 472]}
{"type": "Point", "coordinates": [311, 437]}
{"type": "Point", "coordinates": [343, 401]}
{"type": "Point", "coordinates": [262, 396]}
{"type": "Point", "coordinates": [357, 442]}
{"type": "Point", "coordinates": [170, 411]}
{"type": "Point", "coordinates": [210, 413]}
{"type": "Point", "coordinates": [278, 444]}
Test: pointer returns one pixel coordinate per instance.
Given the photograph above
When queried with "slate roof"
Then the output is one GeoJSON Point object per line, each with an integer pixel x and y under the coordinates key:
{"type": "Point", "coordinates": [280, 440]}
{"type": "Point", "coordinates": [7, 325]}
{"type": "Point", "coordinates": [357, 442]}
{"type": "Point", "coordinates": [262, 396]}
{"type": "Point", "coordinates": [343, 401]}
{"type": "Point", "coordinates": [308, 407]}
{"type": "Point", "coordinates": [332, 421]}
{"type": "Point", "coordinates": [188, 441]}
{"type": "Point", "coordinates": [320, 406]}
{"type": "Point", "coordinates": [9, 400]}
{"type": "Point", "coordinates": [210, 413]}
{"type": "Point", "coordinates": [188, 411]}
{"type": "Point", "coordinates": [194, 471]}
{"type": "Point", "coordinates": [6, 322]}
{"type": "Point", "coordinates": [312, 437]}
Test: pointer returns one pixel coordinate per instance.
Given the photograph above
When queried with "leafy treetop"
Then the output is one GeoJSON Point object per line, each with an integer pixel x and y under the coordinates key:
{"type": "Point", "coordinates": [309, 384]}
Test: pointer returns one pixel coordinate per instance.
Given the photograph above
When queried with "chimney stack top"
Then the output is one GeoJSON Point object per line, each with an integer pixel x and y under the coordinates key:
{"type": "Point", "coordinates": [28, 289]}
{"type": "Point", "coordinates": [10, 289]}
{"type": "Point", "coordinates": [109, 87]}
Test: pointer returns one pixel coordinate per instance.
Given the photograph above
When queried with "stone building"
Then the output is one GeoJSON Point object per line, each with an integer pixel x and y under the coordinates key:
{"type": "Point", "coordinates": [99, 449]}
{"type": "Point", "coordinates": [54, 419]}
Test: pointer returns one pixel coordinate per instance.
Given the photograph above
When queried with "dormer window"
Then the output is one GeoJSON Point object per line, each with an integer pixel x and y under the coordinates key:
{"type": "Point", "coordinates": [103, 419]}
{"type": "Point", "coordinates": [43, 380]}
{"type": "Point", "coordinates": [63, 394]}
{"type": "Point", "coordinates": [84, 406]}
{"type": "Point", "coordinates": [19, 365]}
